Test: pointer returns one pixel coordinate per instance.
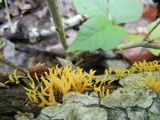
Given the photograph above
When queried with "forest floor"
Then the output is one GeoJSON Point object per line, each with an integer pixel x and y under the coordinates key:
{"type": "Point", "coordinates": [29, 39]}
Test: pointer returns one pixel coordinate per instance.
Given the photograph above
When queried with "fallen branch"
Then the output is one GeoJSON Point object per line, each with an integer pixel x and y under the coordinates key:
{"type": "Point", "coordinates": [68, 23]}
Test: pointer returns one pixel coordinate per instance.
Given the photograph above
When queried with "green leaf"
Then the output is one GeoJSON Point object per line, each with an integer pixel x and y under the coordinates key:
{"type": "Point", "coordinates": [91, 7]}
{"type": "Point", "coordinates": [133, 38]}
{"type": "Point", "coordinates": [155, 52]}
{"type": "Point", "coordinates": [125, 11]}
{"type": "Point", "coordinates": [156, 33]}
{"type": "Point", "coordinates": [0, 1]}
{"type": "Point", "coordinates": [97, 32]}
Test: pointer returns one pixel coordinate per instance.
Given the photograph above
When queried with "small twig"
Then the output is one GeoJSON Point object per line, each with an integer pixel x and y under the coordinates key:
{"type": "Point", "coordinates": [54, 10]}
{"type": "Point", "coordinates": [13, 65]}
{"type": "Point", "coordinates": [142, 43]}
{"type": "Point", "coordinates": [149, 33]}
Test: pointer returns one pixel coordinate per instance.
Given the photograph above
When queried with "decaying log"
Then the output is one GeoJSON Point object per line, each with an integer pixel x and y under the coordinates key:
{"type": "Point", "coordinates": [13, 100]}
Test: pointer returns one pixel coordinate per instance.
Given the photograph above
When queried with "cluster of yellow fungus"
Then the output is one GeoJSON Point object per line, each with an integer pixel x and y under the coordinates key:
{"type": "Point", "coordinates": [146, 66]}
{"type": "Point", "coordinates": [118, 72]}
{"type": "Point", "coordinates": [150, 79]}
{"type": "Point", "coordinates": [13, 78]}
{"type": "Point", "coordinates": [57, 80]}
{"type": "Point", "coordinates": [99, 87]}
{"type": "Point", "coordinates": [42, 88]}
{"type": "Point", "coordinates": [152, 82]}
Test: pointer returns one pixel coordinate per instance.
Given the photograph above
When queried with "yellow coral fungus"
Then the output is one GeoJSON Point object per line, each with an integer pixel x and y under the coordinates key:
{"type": "Point", "coordinates": [60, 80]}
{"type": "Point", "coordinates": [13, 78]}
{"type": "Point", "coordinates": [144, 66]}
{"type": "Point", "coordinates": [120, 73]}
{"type": "Point", "coordinates": [99, 86]}
{"type": "Point", "coordinates": [32, 95]}
{"type": "Point", "coordinates": [136, 85]}
{"type": "Point", "coordinates": [108, 71]}
{"type": "Point", "coordinates": [42, 88]}
{"type": "Point", "coordinates": [152, 82]}
{"type": "Point", "coordinates": [80, 80]}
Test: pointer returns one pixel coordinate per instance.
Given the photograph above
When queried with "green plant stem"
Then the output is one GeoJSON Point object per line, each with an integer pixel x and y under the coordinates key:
{"type": "Point", "coordinates": [54, 10]}
{"type": "Point", "coordinates": [75, 56]}
{"type": "Point", "coordinates": [147, 44]}
{"type": "Point", "coordinates": [13, 65]}
{"type": "Point", "coordinates": [156, 25]}
{"type": "Point", "coordinates": [7, 10]}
